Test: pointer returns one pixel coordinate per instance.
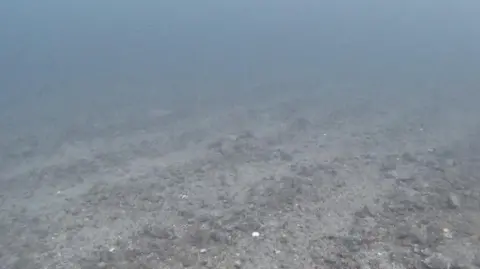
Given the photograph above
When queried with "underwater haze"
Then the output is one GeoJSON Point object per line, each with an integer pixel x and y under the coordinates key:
{"type": "Point", "coordinates": [194, 125]}
{"type": "Point", "coordinates": [69, 57]}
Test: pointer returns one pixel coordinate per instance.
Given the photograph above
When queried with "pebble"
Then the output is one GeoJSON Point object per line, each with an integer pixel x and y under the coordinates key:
{"type": "Point", "coordinates": [237, 264]}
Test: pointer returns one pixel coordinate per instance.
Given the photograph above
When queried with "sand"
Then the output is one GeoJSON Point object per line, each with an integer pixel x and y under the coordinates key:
{"type": "Point", "coordinates": [307, 180]}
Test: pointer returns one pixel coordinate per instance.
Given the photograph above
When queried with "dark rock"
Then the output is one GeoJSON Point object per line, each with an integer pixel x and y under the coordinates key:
{"type": "Point", "coordinates": [438, 261]}
{"type": "Point", "coordinates": [453, 201]}
{"type": "Point", "coordinates": [159, 232]}
{"type": "Point", "coordinates": [458, 264]}
{"type": "Point", "coordinates": [131, 255]}
{"type": "Point", "coordinates": [363, 213]}
{"type": "Point", "coordinates": [434, 165]}
{"type": "Point", "coordinates": [284, 156]}
{"type": "Point", "coordinates": [434, 235]}
{"type": "Point", "coordinates": [408, 158]}
{"type": "Point", "coordinates": [237, 264]}
{"type": "Point", "coordinates": [412, 235]}
{"type": "Point", "coordinates": [400, 257]}
{"type": "Point", "coordinates": [417, 264]}
{"type": "Point", "coordinates": [187, 260]}
{"type": "Point", "coordinates": [245, 135]}
{"type": "Point", "coordinates": [200, 237]}
{"type": "Point", "coordinates": [418, 235]}
{"type": "Point", "coordinates": [186, 214]}
{"type": "Point", "coordinates": [450, 162]}
{"type": "Point", "coordinates": [353, 244]}
{"type": "Point", "coordinates": [203, 218]}
{"type": "Point", "coordinates": [426, 252]}
{"type": "Point", "coordinates": [219, 237]}
{"type": "Point", "coordinates": [283, 240]}
{"type": "Point", "coordinates": [476, 260]}
{"type": "Point", "coordinates": [248, 224]}
{"type": "Point", "coordinates": [300, 124]}
{"type": "Point", "coordinates": [389, 164]}
{"type": "Point", "coordinates": [24, 263]}
{"type": "Point", "coordinates": [105, 256]}
{"type": "Point", "coordinates": [404, 179]}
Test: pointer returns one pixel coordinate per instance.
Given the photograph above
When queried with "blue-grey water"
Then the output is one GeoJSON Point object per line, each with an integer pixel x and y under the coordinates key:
{"type": "Point", "coordinates": [62, 57]}
{"type": "Point", "coordinates": [92, 70]}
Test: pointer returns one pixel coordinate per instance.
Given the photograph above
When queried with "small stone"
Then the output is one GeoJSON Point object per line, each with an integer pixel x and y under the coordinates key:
{"type": "Point", "coordinates": [237, 264]}
{"type": "Point", "coordinates": [255, 234]}
{"type": "Point", "coordinates": [438, 261]}
{"type": "Point", "coordinates": [203, 250]}
{"type": "Point", "coordinates": [453, 201]}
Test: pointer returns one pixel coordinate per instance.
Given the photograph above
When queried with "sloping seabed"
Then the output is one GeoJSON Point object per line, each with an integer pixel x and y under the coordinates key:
{"type": "Point", "coordinates": [326, 180]}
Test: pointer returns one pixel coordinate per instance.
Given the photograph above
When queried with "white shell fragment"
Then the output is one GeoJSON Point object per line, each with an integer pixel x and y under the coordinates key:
{"type": "Point", "coordinates": [447, 233]}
